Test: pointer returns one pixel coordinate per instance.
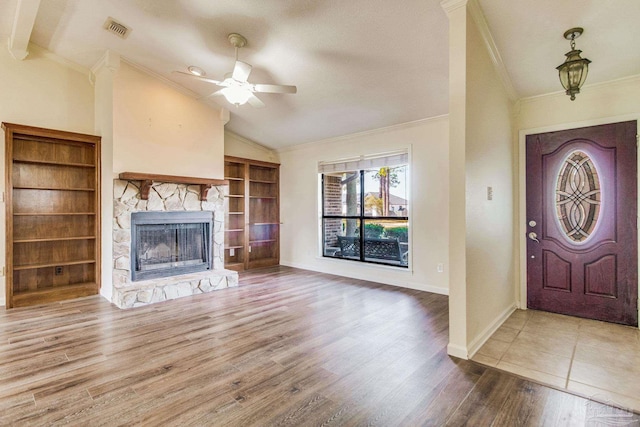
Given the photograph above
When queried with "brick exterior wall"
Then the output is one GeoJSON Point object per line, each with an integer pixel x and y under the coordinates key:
{"type": "Point", "coordinates": [332, 206]}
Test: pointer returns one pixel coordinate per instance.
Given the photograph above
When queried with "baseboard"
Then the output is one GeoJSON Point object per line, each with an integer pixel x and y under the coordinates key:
{"type": "Point", "coordinates": [479, 341]}
{"type": "Point", "coordinates": [457, 351]}
{"type": "Point", "coordinates": [400, 284]}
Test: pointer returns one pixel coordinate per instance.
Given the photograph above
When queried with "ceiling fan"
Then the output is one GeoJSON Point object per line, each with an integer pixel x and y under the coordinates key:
{"type": "Point", "coordinates": [235, 87]}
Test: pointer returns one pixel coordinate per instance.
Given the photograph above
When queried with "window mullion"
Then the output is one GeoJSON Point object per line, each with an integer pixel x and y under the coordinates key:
{"type": "Point", "coordinates": [362, 215]}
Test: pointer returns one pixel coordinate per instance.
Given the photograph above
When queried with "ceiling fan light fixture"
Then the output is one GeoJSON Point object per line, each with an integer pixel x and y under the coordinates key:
{"type": "Point", "coordinates": [573, 71]}
{"type": "Point", "coordinates": [196, 71]}
{"type": "Point", "coordinates": [236, 95]}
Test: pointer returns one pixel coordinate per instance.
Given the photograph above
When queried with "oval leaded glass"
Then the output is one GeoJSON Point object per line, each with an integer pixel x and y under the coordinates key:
{"type": "Point", "coordinates": [578, 196]}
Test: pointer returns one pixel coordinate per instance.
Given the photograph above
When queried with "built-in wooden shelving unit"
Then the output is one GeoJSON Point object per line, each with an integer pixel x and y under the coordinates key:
{"type": "Point", "coordinates": [53, 215]}
{"type": "Point", "coordinates": [252, 209]}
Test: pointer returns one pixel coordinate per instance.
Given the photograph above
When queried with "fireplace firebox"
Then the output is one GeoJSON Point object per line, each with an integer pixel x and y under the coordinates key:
{"type": "Point", "coordinates": [170, 243]}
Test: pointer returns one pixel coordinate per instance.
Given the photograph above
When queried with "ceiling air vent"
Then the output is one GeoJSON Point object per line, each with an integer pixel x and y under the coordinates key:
{"type": "Point", "coordinates": [116, 28]}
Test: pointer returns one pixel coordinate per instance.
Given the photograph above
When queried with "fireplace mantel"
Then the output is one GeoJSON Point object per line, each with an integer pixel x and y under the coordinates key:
{"type": "Point", "coordinates": [147, 180]}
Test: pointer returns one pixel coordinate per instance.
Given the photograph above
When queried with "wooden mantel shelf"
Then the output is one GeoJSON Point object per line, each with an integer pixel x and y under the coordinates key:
{"type": "Point", "coordinates": [147, 180]}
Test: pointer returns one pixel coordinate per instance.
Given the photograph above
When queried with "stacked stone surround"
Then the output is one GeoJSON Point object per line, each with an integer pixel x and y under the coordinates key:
{"type": "Point", "coordinates": [165, 197]}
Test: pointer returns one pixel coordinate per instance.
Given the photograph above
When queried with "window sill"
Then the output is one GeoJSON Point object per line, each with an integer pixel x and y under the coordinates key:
{"type": "Point", "coordinates": [346, 262]}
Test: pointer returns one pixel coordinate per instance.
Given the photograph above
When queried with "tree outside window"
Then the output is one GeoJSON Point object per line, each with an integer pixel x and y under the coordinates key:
{"type": "Point", "coordinates": [371, 203]}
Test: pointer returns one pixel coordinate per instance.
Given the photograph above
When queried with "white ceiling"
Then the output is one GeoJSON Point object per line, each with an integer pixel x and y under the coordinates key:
{"type": "Point", "coordinates": [358, 65]}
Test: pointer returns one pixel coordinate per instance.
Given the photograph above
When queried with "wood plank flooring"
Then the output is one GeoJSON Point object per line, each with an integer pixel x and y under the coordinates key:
{"type": "Point", "coordinates": [287, 347]}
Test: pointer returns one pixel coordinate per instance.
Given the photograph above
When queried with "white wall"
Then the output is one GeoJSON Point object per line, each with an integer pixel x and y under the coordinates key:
{"type": "Point", "coordinates": [300, 209]}
{"type": "Point", "coordinates": [489, 223]}
{"type": "Point", "coordinates": [43, 92]}
{"type": "Point", "coordinates": [158, 130]}
{"type": "Point", "coordinates": [237, 146]}
{"type": "Point", "coordinates": [482, 287]}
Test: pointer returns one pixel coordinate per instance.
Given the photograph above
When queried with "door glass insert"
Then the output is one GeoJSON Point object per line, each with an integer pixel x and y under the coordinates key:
{"type": "Point", "coordinates": [578, 196]}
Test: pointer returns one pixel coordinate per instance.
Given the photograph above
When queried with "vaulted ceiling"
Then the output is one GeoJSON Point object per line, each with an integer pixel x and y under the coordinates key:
{"type": "Point", "coordinates": [358, 65]}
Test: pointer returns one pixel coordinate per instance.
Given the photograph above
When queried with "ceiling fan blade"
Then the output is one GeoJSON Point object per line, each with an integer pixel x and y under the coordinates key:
{"type": "Point", "coordinates": [275, 88]}
{"type": "Point", "coordinates": [254, 101]}
{"type": "Point", "coordinates": [193, 76]}
{"type": "Point", "coordinates": [241, 71]}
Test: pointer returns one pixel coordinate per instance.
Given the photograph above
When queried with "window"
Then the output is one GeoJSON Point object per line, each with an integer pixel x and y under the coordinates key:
{"type": "Point", "coordinates": [366, 197]}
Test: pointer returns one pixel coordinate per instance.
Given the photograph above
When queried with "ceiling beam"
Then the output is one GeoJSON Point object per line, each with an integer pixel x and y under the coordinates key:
{"type": "Point", "coordinates": [26, 11]}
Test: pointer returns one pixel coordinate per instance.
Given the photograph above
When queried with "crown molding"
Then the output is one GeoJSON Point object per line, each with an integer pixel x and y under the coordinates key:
{"type": "Point", "coordinates": [400, 126]}
{"type": "Point", "coordinates": [225, 116]}
{"type": "Point", "coordinates": [451, 5]}
{"type": "Point", "coordinates": [249, 142]}
{"type": "Point", "coordinates": [110, 60]}
{"type": "Point", "coordinates": [183, 90]}
{"type": "Point", "coordinates": [38, 51]}
{"type": "Point", "coordinates": [481, 23]}
{"type": "Point", "coordinates": [623, 81]}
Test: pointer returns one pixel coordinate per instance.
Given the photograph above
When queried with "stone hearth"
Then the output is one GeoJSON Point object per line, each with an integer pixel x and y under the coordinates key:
{"type": "Point", "coordinates": [165, 197]}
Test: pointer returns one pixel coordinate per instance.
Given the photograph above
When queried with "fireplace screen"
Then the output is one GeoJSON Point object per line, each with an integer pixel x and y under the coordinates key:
{"type": "Point", "coordinates": [170, 243]}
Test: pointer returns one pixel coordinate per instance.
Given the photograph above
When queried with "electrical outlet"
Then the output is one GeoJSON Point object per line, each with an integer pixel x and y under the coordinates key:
{"type": "Point", "coordinates": [440, 267]}
{"type": "Point", "coordinates": [58, 270]}
{"type": "Point", "coordinates": [232, 252]}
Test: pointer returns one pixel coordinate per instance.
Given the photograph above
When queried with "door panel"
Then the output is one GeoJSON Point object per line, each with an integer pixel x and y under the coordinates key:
{"type": "Point", "coordinates": [581, 215]}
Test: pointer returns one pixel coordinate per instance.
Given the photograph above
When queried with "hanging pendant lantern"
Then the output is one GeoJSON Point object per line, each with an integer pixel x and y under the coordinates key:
{"type": "Point", "coordinates": [573, 72]}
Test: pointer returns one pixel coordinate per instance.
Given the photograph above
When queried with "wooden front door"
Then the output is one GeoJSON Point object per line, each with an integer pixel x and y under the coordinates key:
{"type": "Point", "coordinates": [582, 257]}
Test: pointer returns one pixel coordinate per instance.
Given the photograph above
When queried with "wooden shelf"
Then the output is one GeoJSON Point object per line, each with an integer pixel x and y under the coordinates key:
{"type": "Point", "coordinates": [53, 163]}
{"type": "Point", "coordinates": [265, 223]}
{"type": "Point", "coordinates": [28, 187]}
{"type": "Point", "coordinates": [56, 293]}
{"type": "Point", "coordinates": [233, 247]}
{"type": "Point", "coordinates": [235, 213]}
{"type": "Point", "coordinates": [52, 215]}
{"type": "Point", "coordinates": [237, 266]}
{"type": "Point", "coordinates": [261, 181]}
{"type": "Point", "coordinates": [234, 230]}
{"type": "Point", "coordinates": [53, 264]}
{"type": "Point", "coordinates": [57, 239]}
{"type": "Point", "coordinates": [263, 197]}
{"type": "Point", "coordinates": [251, 242]}
{"type": "Point", "coordinates": [235, 195]}
{"type": "Point", "coordinates": [231, 178]}
{"type": "Point", "coordinates": [147, 180]}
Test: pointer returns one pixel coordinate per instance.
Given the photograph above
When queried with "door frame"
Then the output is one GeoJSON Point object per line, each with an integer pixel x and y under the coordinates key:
{"type": "Point", "coordinates": [521, 287]}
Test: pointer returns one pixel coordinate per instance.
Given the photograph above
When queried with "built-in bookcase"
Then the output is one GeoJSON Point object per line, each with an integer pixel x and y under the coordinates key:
{"type": "Point", "coordinates": [53, 215]}
{"type": "Point", "coordinates": [252, 209]}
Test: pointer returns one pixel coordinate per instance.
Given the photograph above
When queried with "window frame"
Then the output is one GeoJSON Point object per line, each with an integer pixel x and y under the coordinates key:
{"type": "Point", "coordinates": [363, 218]}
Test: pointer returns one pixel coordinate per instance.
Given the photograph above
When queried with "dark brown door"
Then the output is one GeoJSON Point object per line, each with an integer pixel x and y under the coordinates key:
{"type": "Point", "coordinates": [582, 255]}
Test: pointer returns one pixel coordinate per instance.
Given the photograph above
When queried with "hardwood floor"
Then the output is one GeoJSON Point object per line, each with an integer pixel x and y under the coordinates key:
{"type": "Point", "coordinates": [287, 347]}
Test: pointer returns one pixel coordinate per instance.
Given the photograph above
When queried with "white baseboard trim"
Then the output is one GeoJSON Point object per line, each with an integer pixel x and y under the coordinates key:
{"type": "Point", "coordinates": [401, 283]}
{"type": "Point", "coordinates": [457, 351]}
{"type": "Point", "coordinates": [479, 341]}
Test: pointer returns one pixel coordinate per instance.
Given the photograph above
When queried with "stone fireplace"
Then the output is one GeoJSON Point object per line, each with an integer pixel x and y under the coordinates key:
{"type": "Point", "coordinates": [167, 246]}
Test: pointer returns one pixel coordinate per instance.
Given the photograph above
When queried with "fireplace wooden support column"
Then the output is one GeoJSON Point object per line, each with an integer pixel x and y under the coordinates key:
{"type": "Point", "coordinates": [147, 180]}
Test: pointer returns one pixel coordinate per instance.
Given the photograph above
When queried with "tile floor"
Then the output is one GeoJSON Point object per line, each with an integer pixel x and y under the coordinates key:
{"type": "Point", "coordinates": [594, 359]}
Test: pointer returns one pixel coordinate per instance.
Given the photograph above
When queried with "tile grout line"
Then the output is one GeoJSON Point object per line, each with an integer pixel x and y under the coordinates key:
{"type": "Point", "coordinates": [511, 343]}
{"type": "Point", "coordinates": [573, 355]}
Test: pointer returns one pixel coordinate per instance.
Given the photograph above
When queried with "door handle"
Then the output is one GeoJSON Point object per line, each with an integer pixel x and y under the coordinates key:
{"type": "Point", "coordinates": [533, 236]}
